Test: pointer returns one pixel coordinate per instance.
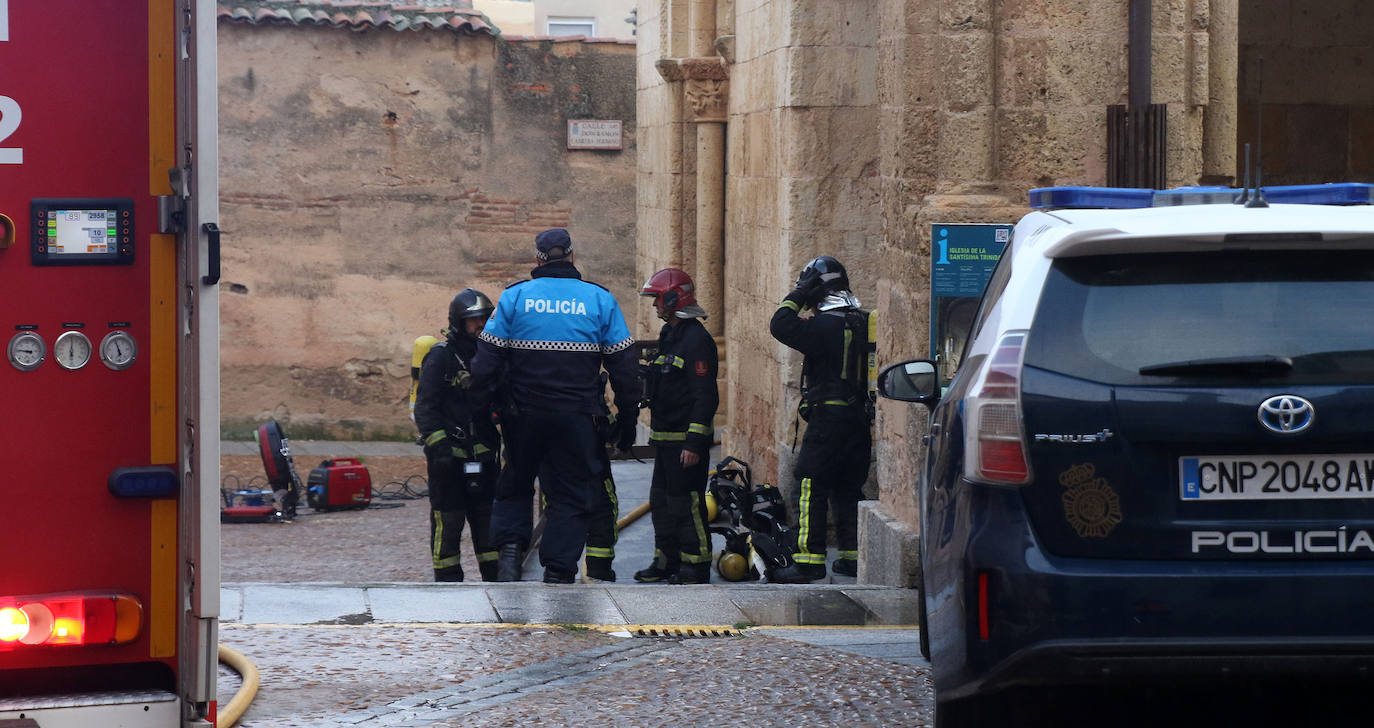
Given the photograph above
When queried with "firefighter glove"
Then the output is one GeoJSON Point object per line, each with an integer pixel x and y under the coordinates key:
{"type": "Point", "coordinates": [627, 424]}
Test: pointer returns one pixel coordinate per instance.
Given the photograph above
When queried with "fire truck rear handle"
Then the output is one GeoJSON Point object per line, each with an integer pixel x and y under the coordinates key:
{"type": "Point", "coordinates": [212, 277]}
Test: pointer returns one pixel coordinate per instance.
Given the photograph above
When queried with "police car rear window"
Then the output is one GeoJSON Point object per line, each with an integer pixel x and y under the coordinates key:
{"type": "Point", "coordinates": [1105, 318]}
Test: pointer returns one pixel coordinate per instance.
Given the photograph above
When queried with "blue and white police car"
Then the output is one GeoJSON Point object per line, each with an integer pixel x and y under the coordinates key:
{"type": "Point", "coordinates": [1156, 458]}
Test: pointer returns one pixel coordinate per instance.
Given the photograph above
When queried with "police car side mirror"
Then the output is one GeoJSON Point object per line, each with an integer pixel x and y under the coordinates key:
{"type": "Point", "coordinates": [910, 381]}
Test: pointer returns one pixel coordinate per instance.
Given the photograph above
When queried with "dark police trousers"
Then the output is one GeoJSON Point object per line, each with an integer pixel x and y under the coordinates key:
{"type": "Point", "coordinates": [602, 532]}
{"type": "Point", "coordinates": [677, 506]}
{"type": "Point", "coordinates": [564, 447]}
{"type": "Point", "coordinates": [831, 471]}
{"type": "Point", "coordinates": [455, 496]}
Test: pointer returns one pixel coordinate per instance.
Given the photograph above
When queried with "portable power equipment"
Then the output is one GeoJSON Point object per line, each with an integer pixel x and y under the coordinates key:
{"type": "Point", "coordinates": [338, 484]}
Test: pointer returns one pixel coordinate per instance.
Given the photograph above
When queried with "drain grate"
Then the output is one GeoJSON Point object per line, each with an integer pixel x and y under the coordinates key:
{"type": "Point", "coordinates": [678, 630]}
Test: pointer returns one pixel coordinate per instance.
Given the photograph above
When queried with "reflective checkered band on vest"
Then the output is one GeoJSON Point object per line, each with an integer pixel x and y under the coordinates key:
{"type": "Point", "coordinates": [622, 346]}
{"type": "Point", "coordinates": [586, 346]}
{"type": "Point", "coordinates": [493, 340]}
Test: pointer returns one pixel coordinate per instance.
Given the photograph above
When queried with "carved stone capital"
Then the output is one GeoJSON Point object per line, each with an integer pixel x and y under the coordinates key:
{"type": "Point", "coordinates": [669, 69]}
{"type": "Point", "coordinates": [710, 98]}
{"type": "Point", "coordinates": [704, 69]}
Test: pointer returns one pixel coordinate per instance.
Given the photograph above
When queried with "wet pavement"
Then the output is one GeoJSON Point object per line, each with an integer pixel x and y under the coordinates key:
{"type": "Point", "coordinates": [335, 611]}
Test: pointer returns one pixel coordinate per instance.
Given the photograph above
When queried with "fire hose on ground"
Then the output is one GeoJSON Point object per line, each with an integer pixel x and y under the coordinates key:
{"type": "Point", "coordinates": [230, 713]}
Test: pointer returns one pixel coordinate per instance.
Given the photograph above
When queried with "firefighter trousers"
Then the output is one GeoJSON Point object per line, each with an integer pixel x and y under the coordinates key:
{"type": "Point", "coordinates": [563, 447]}
{"type": "Point", "coordinates": [830, 474]}
{"type": "Point", "coordinates": [456, 496]}
{"type": "Point", "coordinates": [677, 506]}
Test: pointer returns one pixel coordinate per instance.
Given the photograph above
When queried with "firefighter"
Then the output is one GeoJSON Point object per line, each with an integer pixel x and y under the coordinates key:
{"type": "Point", "coordinates": [682, 400]}
{"type": "Point", "coordinates": [837, 403]}
{"type": "Point", "coordinates": [460, 442]}
{"type": "Point", "coordinates": [548, 341]}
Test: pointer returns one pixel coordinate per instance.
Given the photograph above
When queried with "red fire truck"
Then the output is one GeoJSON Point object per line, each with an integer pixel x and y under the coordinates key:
{"type": "Point", "coordinates": [109, 435]}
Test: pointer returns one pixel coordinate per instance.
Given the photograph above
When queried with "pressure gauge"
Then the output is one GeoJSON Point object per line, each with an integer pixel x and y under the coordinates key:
{"type": "Point", "coordinates": [72, 350]}
{"type": "Point", "coordinates": [118, 350]}
{"type": "Point", "coordinates": [27, 351]}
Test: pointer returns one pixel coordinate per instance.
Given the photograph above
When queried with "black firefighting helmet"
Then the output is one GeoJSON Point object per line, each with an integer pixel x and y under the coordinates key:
{"type": "Point", "coordinates": [831, 274]}
{"type": "Point", "coordinates": [469, 303]}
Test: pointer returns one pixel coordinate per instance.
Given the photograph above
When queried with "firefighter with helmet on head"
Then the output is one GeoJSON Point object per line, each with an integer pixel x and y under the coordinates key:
{"type": "Point", "coordinates": [460, 442]}
{"type": "Point", "coordinates": [682, 401]}
{"type": "Point", "coordinates": [837, 403]}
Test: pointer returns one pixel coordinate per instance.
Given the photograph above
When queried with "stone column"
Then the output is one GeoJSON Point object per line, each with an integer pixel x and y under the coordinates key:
{"type": "Point", "coordinates": [1219, 121]}
{"type": "Point", "coordinates": [706, 87]}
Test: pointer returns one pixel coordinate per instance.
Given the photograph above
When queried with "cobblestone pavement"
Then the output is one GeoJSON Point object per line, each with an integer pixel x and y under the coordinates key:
{"type": "Point", "coordinates": [442, 675]}
{"type": "Point", "coordinates": [385, 543]}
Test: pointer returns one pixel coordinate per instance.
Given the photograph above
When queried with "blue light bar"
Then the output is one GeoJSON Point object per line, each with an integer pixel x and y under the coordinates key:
{"type": "Point", "coordinates": [1343, 193]}
{"type": "Point", "coordinates": [1196, 196]}
{"type": "Point", "coordinates": [1080, 198]}
{"type": "Point", "coordinates": [157, 481]}
{"type": "Point", "coordinates": [1125, 198]}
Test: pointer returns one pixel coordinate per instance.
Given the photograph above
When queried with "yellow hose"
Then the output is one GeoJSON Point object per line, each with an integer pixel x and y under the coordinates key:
{"type": "Point", "coordinates": [632, 516]}
{"type": "Point", "coordinates": [231, 712]}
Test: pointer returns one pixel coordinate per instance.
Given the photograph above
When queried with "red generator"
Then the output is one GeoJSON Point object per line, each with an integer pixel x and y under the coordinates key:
{"type": "Point", "coordinates": [339, 483]}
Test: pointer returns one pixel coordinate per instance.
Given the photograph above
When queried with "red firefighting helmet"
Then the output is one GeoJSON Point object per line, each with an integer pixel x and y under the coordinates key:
{"type": "Point", "coordinates": [673, 287]}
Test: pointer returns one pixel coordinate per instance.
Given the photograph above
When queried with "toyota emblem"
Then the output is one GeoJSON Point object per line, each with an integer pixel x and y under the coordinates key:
{"type": "Point", "coordinates": [1286, 414]}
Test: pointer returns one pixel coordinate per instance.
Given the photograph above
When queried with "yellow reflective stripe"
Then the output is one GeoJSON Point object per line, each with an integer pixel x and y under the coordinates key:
{"type": "Point", "coordinates": [485, 556]}
{"type": "Point", "coordinates": [438, 539]}
{"type": "Point", "coordinates": [479, 448]}
{"type": "Point", "coordinates": [678, 362]}
{"type": "Point", "coordinates": [837, 402]}
{"type": "Point", "coordinates": [435, 436]}
{"type": "Point", "coordinates": [615, 510]}
{"type": "Point", "coordinates": [660, 359]}
{"type": "Point", "coordinates": [600, 553]}
{"type": "Point", "coordinates": [703, 555]}
{"type": "Point", "coordinates": [459, 452]}
{"type": "Point", "coordinates": [790, 304]}
{"type": "Point", "coordinates": [873, 352]}
{"type": "Point", "coordinates": [805, 558]}
{"type": "Point", "coordinates": [656, 435]}
{"type": "Point", "coordinates": [804, 522]}
{"type": "Point", "coordinates": [696, 429]}
{"type": "Point", "coordinates": [848, 554]}
{"type": "Point", "coordinates": [450, 561]}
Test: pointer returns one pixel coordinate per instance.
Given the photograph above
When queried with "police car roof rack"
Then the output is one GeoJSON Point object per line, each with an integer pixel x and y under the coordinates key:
{"type": "Point", "coordinates": [1126, 198]}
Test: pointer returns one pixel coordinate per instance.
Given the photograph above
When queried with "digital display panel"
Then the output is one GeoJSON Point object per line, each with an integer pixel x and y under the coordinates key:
{"type": "Point", "coordinates": [83, 231]}
{"type": "Point", "coordinates": [73, 232]}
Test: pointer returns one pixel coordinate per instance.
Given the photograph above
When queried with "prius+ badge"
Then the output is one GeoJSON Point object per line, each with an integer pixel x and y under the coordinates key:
{"type": "Point", "coordinates": [1101, 436]}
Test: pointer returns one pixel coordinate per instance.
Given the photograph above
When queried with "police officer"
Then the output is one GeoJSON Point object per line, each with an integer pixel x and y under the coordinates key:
{"type": "Point", "coordinates": [837, 404]}
{"type": "Point", "coordinates": [682, 396]}
{"type": "Point", "coordinates": [460, 442]}
{"type": "Point", "coordinates": [549, 338]}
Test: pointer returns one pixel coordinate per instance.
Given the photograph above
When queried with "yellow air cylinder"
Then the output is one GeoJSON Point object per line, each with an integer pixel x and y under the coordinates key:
{"type": "Point", "coordinates": [417, 356]}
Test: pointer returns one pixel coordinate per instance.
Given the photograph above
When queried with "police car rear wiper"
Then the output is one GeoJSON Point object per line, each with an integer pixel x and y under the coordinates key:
{"type": "Point", "coordinates": [1263, 365]}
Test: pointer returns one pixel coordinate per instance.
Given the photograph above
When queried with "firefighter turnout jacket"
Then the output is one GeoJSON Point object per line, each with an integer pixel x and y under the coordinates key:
{"type": "Point", "coordinates": [681, 387]}
{"type": "Point", "coordinates": [838, 345]}
{"type": "Point", "coordinates": [551, 336]}
{"type": "Point", "coordinates": [446, 406]}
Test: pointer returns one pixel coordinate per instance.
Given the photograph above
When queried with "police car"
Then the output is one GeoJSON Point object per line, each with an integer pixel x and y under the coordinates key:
{"type": "Point", "coordinates": [1156, 458]}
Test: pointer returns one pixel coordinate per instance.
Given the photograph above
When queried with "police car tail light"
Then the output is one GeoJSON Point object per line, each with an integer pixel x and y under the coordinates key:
{"type": "Point", "coordinates": [69, 619]}
{"type": "Point", "coordinates": [993, 432]}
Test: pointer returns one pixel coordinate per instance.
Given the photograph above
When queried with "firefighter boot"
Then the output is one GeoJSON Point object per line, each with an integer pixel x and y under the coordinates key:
{"type": "Point", "coordinates": [658, 571]}
{"type": "Point", "coordinates": [508, 562]}
{"type": "Point", "coordinates": [845, 567]}
{"type": "Point", "coordinates": [692, 574]}
{"type": "Point", "coordinates": [798, 574]}
{"type": "Point", "coordinates": [488, 569]}
{"type": "Point", "coordinates": [449, 573]}
{"type": "Point", "coordinates": [599, 568]}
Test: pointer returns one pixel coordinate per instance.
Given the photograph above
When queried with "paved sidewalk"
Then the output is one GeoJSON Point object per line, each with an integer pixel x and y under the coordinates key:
{"type": "Point", "coordinates": [324, 448]}
{"type": "Point", "coordinates": [534, 603]}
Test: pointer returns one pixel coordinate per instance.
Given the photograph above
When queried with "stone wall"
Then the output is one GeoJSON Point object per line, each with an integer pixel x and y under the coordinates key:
{"type": "Point", "coordinates": [367, 176]}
